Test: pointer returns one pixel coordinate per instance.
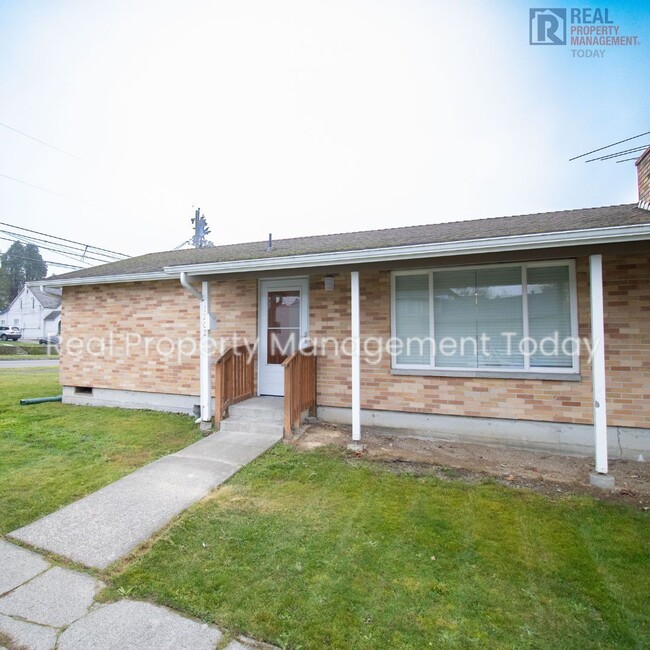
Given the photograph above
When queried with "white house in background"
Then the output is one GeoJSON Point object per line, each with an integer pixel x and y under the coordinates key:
{"type": "Point", "coordinates": [37, 314]}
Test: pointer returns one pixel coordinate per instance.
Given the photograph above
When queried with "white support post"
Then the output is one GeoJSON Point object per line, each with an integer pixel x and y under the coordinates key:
{"type": "Point", "coordinates": [598, 362]}
{"type": "Point", "coordinates": [356, 357]}
{"type": "Point", "coordinates": [204, 363]}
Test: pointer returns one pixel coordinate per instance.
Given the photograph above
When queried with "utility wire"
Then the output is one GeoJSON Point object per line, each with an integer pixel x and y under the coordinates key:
{"type": "Point", "coordinates": [74, 258]}
{"type": "Point", "coordinates": [75, 255]}
{"type": "Point", "coordinates": [84, 160]}
{"type": "Point", "coordinates": [626, 159]}
{"type": "Point", "coordinates": [65, 196]}
{"type": "Point", "coordinates": [634, 137]}
{"type": "Point", "coordinates": [51, 146]}
{"type": "Point", "coordinates": [48, 262]}
{"type": "Point", "coordinates": [80, 252]}
{"type": "Point", "coordinates": [618, 153]}
{"type": "Point", "coordinates": [70, 241]}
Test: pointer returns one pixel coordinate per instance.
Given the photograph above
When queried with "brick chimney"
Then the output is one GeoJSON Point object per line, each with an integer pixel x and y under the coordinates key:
{"type": "Point", "coordinates": [643, 175]}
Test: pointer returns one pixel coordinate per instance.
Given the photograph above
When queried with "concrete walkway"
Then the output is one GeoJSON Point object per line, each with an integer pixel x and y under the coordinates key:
{"type": "Point", "coordinates": [44, 606]}
{"type": "Point", "coordinates": [108, 524]}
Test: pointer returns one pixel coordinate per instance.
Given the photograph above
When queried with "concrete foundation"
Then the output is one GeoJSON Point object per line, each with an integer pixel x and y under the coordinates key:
{"type": "Point", "coordinates": [131, 399]}
{"type": "Point", "coordinates": [558, 438]}
{"type": "Point", "coordinates": [561, 438]}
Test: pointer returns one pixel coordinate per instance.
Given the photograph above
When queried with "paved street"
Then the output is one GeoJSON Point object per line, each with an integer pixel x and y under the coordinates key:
{"type": "Point", "coordinates": [29, 363]}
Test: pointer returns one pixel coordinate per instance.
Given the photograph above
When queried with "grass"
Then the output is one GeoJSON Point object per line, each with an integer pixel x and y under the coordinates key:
{"type": "Point", "coordinates": [52, 454]}
{"type": "Point", "coordinates": [314, 550]}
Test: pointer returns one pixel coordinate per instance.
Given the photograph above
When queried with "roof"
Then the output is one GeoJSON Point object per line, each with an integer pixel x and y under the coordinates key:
{"type": "Point", "coordinates": [543, 224]}
{"type": "Point", "coordinates": [48, 301]}
{"type": "Point", "coordinates": [53, 315]}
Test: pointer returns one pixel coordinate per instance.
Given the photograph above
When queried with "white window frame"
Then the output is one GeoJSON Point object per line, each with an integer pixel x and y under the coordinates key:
{"type": "Point", "coordinates": [432, 368]}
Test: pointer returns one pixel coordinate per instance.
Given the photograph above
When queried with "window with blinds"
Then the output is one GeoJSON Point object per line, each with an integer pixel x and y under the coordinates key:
{"type": "Point", "coordinates": [501, 317]}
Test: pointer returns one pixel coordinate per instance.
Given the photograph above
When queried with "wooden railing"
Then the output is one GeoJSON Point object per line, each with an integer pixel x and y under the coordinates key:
{"type": "Point", "coordinates": [299, 388]}
{"type": "Point", "coordinates": [235, 380]}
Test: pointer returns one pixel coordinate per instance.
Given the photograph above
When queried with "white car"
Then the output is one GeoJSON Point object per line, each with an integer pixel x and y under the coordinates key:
{"type": "Point", "coordinates": [9, 333]}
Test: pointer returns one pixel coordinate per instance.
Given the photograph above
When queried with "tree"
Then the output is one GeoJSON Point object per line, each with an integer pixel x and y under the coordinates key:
{"type": "Point", "coordinates": [4, 289]}
{"type": "Point", "coordinates": [20, 264]}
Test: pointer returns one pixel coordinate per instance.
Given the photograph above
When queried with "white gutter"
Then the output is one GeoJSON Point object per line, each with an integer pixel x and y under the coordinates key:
{"type": "Point", "coordinates": [582, 237]}
{"type": "Point", "coordinates": [102, 279]}
{"type": "Point", "coordinates": [205, 387]}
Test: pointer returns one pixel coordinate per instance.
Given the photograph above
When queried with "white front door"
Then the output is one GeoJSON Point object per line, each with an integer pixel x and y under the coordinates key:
{"type": "Point", "coordinates": [284, 323]}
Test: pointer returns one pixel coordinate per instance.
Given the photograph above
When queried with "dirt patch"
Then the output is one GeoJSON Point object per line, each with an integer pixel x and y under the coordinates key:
{"type": "Point", "coordinates": [543, 472]}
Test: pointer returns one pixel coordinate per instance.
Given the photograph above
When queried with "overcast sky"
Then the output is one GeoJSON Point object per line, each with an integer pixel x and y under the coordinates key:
{"type": "Point", "coordinates": [303, 117]}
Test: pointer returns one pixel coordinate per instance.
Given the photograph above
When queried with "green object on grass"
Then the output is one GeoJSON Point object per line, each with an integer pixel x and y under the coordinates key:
{"type": "Point", "coordinates": [40, 400]}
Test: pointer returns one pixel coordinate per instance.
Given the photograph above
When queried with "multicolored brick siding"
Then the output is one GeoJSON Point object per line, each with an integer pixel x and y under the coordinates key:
{"type": "Point", "coordinates": [627, 330]}
{"type": "Point", "coordinates": [162, 312]}
{"type": "Point", "coordinates": [163, 308]}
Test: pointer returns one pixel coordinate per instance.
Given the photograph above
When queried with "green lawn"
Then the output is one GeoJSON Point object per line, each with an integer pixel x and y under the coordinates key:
{"type": "Point", "coordinates": [316, 550]}
{"type": "Point", "coordinates": [52, 454]}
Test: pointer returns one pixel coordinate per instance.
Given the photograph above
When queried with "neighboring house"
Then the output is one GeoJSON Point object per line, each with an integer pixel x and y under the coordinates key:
{"type": "Point", "coordinates": [564, 276]}
{"type": "Point", "coordinates": [36, 313]}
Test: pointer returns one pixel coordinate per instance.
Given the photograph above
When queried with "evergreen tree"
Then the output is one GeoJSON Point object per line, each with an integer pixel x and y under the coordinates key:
{"type": "Point", "coordinates": [20, 264]}
{"type": "Point", "coordinates": [4, 289]}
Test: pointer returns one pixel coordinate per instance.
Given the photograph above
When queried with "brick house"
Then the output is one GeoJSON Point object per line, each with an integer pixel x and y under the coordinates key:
{"type": "Point", "coordinates": [479, 330]}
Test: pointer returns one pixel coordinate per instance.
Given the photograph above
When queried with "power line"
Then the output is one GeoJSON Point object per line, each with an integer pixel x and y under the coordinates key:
{"type": "Point", "coordinates": [84, 160]}
{"type": "Point", "coordinates": [65, 196]}
{"type": "Point", "coordinates": [634, 137]}
{"type": "Point", "coordinates": [51, 146]}
{"type": "Point", "coordinates": [72, 254]}
{"type": "Point", "coordinates": [70, 241]}
{"type": "Point", "coordinates": [82, 251]}
{"type": "Point", "coordinates": [618, 153]}
{"type": "Point", "coordinates": [48, 262]}
{"type": "Point", "coordinates": [626, 159]}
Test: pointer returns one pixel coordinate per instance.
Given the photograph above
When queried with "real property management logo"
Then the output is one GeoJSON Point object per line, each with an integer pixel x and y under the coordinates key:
{"type": "Point", "coordinates": [590, 30]}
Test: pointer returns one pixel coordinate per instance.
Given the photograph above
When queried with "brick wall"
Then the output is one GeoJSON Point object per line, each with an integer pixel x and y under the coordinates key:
{"type": "Point", "coordinates": [627, 296]}
{"type": "Point", "coordinates": [162, 312]}
{"type": "Point", "coordinates": [158, 309]}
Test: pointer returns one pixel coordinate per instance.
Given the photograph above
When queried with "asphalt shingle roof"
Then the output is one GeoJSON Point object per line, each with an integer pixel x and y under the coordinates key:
{"type": "Point", "coordinates": [548, 222]}
{"type": "Point", "coordinates": [48, 301]}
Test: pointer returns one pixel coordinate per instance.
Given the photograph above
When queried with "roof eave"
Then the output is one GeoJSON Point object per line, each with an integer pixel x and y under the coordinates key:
{"type": "Point", "coordinates": [101, 279]}
{"type": "Point", "coordinates": [466, 247]}
{"type": "Point", "coordinates": [580, 237]}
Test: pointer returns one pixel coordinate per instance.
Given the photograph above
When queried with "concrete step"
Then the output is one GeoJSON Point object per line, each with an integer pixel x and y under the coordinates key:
{"type": "Point", "coordinates": [264, 409]}
{"type": "Point", "coordinates": [246, 425]}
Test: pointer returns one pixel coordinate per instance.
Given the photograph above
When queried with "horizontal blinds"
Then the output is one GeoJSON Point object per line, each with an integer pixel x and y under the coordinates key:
{"type": "Point", "coordinates": [454, 309]}
{"type": "Point", "coordinates": [499, 316]}
{"type": "Point", "coordinates": [549, 317]}
{"type": "Point", "coordinates": [412, 319]}
{"type": "Point", "coordinates": [479, 319]}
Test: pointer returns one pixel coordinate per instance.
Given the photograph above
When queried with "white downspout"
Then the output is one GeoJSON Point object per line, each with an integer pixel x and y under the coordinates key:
{"type": "Point", "coordinates": [205, 387]}
{"type": "Point", "coordinates": [598, 361]}
{"type": "Point", "coordinates": [356, 358]}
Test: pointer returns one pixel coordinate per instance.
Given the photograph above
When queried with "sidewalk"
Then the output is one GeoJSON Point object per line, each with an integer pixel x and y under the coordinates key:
{"type": "Point", "coordinates": [108, 524]}
{"type": "Point", "coordinates": [44, 606]}
{"type": "Point", "coordinates": [12, 362]}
